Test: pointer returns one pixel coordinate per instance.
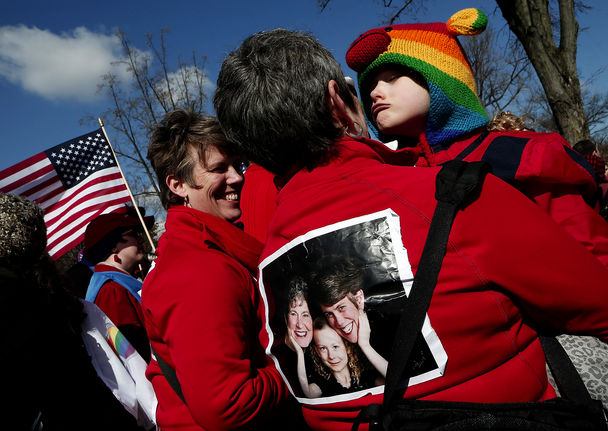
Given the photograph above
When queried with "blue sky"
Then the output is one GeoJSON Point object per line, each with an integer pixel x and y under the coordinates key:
{"type": "Point", "coordinates": [52, 53]}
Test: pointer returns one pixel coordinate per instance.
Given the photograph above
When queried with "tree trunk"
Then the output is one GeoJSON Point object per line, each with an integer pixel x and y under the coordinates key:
{"type": "Point", "coordinates": [530, 21]}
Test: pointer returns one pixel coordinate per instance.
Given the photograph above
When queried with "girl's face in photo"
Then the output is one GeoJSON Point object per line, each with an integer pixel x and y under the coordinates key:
{"type": "Point", "coordinates": [400, 105]}
{"type": "Point", "coordinates": [330, 348]}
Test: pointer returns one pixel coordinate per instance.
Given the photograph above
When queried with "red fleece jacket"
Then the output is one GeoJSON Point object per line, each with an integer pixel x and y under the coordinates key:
{"type": "Point", "coordinates": [506, 263]}
{"type": "Point", "coordinates": [548, 171]}
{"type": "Point", "coordinates": [202, 312]}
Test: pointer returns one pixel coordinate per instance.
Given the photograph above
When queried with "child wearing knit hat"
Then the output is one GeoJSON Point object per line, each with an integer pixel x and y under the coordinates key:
{"type": "Point", "coordinates": [417, 86]}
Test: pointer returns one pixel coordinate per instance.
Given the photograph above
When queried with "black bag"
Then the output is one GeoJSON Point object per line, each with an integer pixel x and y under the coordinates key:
{"type": "Point", "coordinates": [551, 415]}
{"type": "Point", "coordinates": [457, 184]}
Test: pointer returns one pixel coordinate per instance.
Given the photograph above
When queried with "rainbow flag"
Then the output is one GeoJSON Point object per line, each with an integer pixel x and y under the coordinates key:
{"type": "Point", "coordinates": [119, 343]}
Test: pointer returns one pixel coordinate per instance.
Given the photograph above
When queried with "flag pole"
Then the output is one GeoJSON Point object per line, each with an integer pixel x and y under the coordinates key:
{"type": "Point", "coordinates": [141, 219]}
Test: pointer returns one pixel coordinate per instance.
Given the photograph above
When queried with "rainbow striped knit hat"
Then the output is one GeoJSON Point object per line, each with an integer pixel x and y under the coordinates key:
{"type": "Point", "coordinates": [433, 51]}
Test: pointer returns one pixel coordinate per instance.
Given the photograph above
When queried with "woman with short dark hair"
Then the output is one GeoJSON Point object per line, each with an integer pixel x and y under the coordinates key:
{"type": "Point", "coordinates": [313, 127]}
{"type": "Point", "coordinates": [201, 301]}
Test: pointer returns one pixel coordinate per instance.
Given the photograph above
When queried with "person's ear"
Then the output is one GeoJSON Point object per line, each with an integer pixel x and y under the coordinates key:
{"type": "Point", "coordinates": [360, 299]}
{"type": "Point", "coordinates": [176, 185]}
{"type": "Point", "coordinates": [337, 106]}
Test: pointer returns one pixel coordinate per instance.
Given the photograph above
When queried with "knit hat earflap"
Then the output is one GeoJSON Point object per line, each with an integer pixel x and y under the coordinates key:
{"type": "Point", "coordinates": [433, 51]}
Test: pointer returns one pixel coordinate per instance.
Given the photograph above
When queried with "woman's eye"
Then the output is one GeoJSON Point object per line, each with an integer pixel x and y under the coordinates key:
{"type": "Point", "coordinates": [218, 170]}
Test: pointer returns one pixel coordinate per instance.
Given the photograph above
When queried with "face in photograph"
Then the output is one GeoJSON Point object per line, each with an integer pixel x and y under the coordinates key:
{"type": "Point", "coordinates": [343, 316]}
{"type": "Point", "coordinates": [331, 349]}
{"type": "Point", "coordinates": [299, 322]}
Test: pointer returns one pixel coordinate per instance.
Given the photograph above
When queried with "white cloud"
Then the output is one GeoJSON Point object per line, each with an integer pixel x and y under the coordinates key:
{"type": "Point", "coordinates": [66, 66]}
{"type": "Point", "coordinates": [185, 84]}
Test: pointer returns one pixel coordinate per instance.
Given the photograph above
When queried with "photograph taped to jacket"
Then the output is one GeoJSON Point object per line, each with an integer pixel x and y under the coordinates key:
{"type": "Point", "coordinates": [327, 286]}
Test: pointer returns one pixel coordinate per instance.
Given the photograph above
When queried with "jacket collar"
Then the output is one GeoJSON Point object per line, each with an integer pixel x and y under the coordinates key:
{"type": "Point", "coordinates": [223, 234]}
{"type": "Point", "coordinates": [347, 149]}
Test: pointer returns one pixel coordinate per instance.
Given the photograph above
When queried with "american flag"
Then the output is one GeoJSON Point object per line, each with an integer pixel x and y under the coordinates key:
{"type": "Point", "coordinates": [73, 183]}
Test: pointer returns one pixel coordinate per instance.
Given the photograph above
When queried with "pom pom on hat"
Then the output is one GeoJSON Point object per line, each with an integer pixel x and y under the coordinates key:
{"type": "Point", "coordinates": [467, 22]}
{"type": "Point", "coordinates": [432, 51]}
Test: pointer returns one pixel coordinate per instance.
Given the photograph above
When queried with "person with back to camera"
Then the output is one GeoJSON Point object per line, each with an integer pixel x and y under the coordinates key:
{"type": "Point", "coordinates": [200, 301]}
{"type": "Point", "coordinates": [496, 270]}
{"type": "Point", "coordinates": [114, 243]}
{"type": "Point", "coordinates": [258, 200]}
{"type": "Point", "coordinates": [50, 381]}
{"type": "Point", "coordinates": [417, 86]}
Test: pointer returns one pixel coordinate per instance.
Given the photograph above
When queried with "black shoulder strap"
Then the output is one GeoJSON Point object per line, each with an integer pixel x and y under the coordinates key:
{"type": "Point", "coordinates": [566, 376]}
{"type": "Point", "coordinates": [457, 184]}
{"type": "Point", "coordinates": [471, 147]}
{"type": "Point", "coordinates": [170, 375]}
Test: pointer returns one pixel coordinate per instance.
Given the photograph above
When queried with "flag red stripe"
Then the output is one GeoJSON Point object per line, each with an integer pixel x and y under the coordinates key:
{"type": "Point", "coordinates": [58, 249]}
{"type": "Point", "coordinates": [22, 165]}
{"type": "Point", "coordinates": [56, 207]}
{"type": "Point", "coordinates": [93, 211]}
{"type": "Point", "coordinates": [49, 195]}
{"type": "Point", "coordinates": [54, 181]}
{"type": "Point", "coordinates": [24, 184]}
{"type": "Point", "coordinates": [81, 206]}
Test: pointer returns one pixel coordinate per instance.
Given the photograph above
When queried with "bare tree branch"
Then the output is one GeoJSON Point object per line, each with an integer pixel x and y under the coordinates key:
{"type": "Point", "coordinates": [154, 89]}
{"type": "Point", "coordinates": [397, 14]}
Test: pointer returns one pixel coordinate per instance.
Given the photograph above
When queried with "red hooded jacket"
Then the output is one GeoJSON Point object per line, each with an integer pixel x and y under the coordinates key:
{"type": "Point", "coordinates": [506, 263]}
{"type": "Point", "coordinates": [543, 167]}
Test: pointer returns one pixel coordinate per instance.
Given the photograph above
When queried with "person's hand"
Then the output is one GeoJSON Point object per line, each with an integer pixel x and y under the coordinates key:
{"type": "Point", "coordinates": [370, 353]}
{"type": "Point", "coordinates": [291, 342]}
{"type": "Point", "coordinates": [364, 330]}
